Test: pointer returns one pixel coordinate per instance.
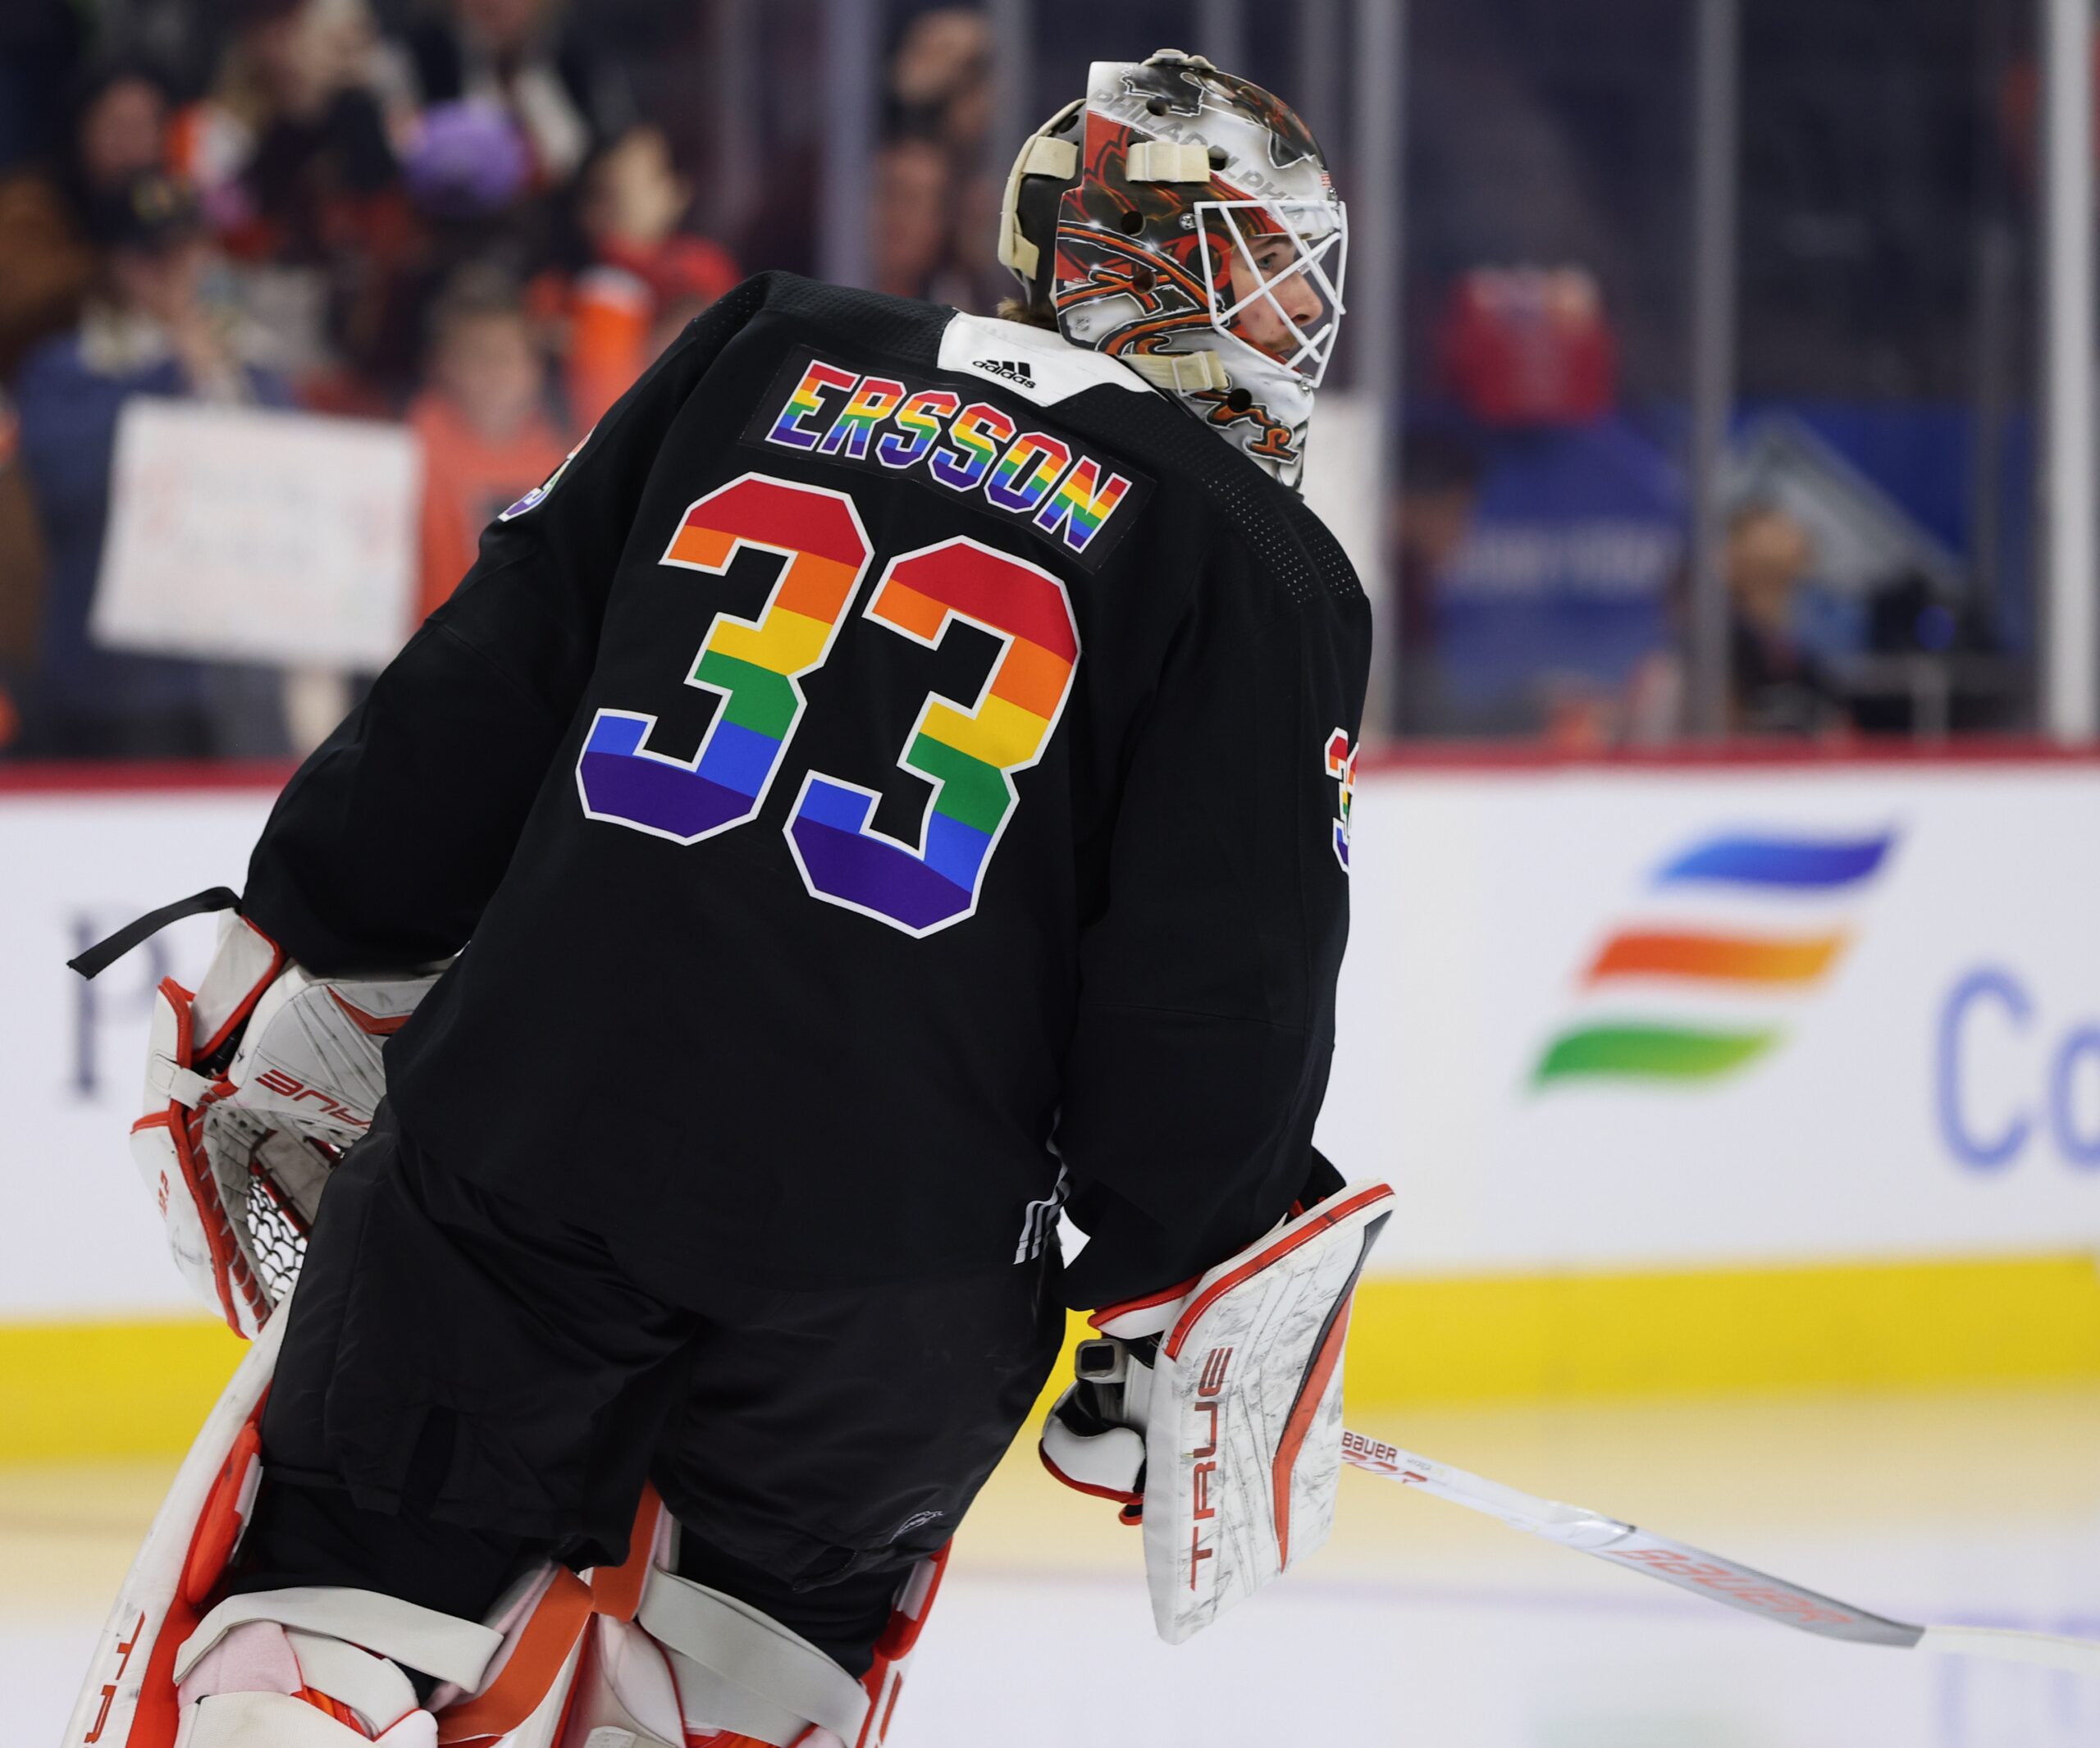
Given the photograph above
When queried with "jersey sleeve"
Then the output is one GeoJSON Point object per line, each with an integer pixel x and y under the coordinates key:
{"type": "Point", "coordinates": [386, 846]}
{"type": "Point", "coordinates": [1206, 1018]}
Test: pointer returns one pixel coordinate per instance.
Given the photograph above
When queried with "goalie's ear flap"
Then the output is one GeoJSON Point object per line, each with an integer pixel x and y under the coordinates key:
{"type": "Point", "coordinates": [246, 963]}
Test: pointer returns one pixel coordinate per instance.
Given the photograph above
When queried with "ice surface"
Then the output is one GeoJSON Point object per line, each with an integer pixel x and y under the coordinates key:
{"type": "Point", "coordinates": [1420, 1624]}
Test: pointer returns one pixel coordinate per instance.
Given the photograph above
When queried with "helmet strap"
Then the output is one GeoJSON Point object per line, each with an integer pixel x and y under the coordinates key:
{"type": "Point", "coordinates": [1180, 372]}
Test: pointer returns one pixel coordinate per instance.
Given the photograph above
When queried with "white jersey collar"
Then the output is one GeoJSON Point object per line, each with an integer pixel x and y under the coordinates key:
{"type": "Point", "coordinates": [1031, 361]}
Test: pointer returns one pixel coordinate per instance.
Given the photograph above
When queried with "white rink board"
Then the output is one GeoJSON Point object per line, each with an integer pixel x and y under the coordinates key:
{"type": "Point", "coordinates": [1479, 898]}
{"type": "Point", "coordinates": [81, 1236]}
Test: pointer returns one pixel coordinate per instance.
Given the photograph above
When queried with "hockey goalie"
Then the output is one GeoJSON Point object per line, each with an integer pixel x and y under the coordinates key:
{"type": "Point", "coordinates": [888, 787]}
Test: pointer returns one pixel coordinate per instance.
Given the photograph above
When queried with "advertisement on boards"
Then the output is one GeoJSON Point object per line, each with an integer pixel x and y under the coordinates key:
{"type": "Point", "coordinates": [1657, 1017]}
{"type": "Point", "coordinates": [1641, 1018]}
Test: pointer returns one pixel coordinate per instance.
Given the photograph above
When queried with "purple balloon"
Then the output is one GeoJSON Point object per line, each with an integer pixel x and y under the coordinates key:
{"type": "Point", "coordinates": [469, 159]}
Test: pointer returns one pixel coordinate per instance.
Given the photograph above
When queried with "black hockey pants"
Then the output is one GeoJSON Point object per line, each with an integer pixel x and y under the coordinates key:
{"type": "Point", "coordinates": [466, 1383]}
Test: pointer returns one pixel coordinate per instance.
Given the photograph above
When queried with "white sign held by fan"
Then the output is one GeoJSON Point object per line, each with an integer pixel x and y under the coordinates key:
{"type": "Point", "coordinates": [244, 535]}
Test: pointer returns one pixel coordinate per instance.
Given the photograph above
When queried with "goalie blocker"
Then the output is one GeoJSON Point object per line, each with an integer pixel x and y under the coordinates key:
{"type": "Point", "coordinates": [1213, 1413]}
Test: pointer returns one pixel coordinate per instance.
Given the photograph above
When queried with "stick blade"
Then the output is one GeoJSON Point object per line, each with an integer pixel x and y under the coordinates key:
{"type": "Point", "coordinates": [1755, 1592]}
{"type": "Point", "coordinates": [2044, 1649]}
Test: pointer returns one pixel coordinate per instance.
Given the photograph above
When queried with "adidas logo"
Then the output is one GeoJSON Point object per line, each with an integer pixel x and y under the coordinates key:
{"type": "Point", "coordinates": [1012, 369]}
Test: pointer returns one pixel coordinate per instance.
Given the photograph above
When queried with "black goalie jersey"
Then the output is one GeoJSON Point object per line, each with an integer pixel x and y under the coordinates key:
{"type": "Point", "coordinates": [897, 771]}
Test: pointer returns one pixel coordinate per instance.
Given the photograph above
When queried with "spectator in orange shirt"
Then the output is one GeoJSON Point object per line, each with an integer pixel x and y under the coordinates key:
{"type": "Point", "coordinates": [482, 419]}
{"type": "Point", "coordinates": [647, 278]}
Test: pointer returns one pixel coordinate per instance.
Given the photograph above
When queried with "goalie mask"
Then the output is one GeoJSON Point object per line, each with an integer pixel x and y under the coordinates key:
{"type": "Point", "coordinates": [1182, 221]}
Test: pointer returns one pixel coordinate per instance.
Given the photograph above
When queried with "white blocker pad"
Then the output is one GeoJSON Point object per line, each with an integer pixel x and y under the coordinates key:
{"type": "Point", "coordinates": [1243, 1443]}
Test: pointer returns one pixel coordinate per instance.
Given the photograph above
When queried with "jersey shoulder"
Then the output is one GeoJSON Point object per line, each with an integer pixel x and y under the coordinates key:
{"type": "Point", "coordinates": [1265, 525]}
{"type": "Point", "coordinates": [811, 313]}
{"type": "Point", "coordinates": [1035, 364]}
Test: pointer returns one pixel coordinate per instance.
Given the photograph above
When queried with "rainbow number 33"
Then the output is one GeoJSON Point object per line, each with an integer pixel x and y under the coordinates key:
{"type": "Point", "coordinates": [970, 753]}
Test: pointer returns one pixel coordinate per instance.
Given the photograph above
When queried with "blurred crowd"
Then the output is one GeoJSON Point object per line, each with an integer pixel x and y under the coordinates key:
{"type": "Point", "coordinates": [463, 216]}
{"type": "Point", "coordinates": [1538, 541]}
{"type": "Point", "coordinates": [936, 195]}
{"type": "Point", "coordinates": [480, 220]}
{"type": "Point", "coordinates": [465, 223]}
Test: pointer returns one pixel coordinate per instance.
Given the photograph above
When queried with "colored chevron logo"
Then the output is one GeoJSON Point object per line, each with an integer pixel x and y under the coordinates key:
{"type": "Point", "coordinates": [1651, 1052]}
{"type": "Point", "coordinates": [1716, 958]}
{"type": "Point", "coordinates": [1802, 864]}
{"type": "Point", "coordinates": [1746, 961]}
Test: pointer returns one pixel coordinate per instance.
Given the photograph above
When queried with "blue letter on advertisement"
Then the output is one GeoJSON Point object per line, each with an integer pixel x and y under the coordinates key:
{"type": "Point", "coordinates": [2080, 1150]}
{"type": "Point", "coordinates": [1983, 1155]}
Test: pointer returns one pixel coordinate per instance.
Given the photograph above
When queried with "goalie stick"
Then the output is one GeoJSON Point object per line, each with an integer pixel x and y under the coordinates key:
{"type": "Point", "coordinates": [1707, 1575]}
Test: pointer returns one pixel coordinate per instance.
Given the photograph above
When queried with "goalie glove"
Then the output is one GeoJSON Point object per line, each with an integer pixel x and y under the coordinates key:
{"type": "Point", "coordinates": [1212, 1413]}
{"type": "Point", "coordinates": [255, 1083]}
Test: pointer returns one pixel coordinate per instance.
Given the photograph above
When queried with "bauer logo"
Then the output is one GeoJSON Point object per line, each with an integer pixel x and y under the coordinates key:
{"type": "Point", "coordinates": [1735, 933]}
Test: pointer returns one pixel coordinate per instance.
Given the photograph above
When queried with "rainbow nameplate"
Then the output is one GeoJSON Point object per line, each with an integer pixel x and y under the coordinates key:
{"type": "Point", "coordinates": [948, 439]}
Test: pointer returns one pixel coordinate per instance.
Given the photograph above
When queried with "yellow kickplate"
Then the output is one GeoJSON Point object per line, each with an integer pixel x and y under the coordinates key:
{"type": "Point", "coordinates": [74, 1390]}
{"type": "Point", "coordinates": [1865, 1326]}
{"type": "Point", "coordinates": [1417, 1341]}
{"type": "Point", "coordinates": [130, 1389]}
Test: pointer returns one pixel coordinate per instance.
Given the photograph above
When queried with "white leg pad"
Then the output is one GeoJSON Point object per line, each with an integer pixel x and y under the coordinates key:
{"type": "Point", "coordinates": [277, 1720]}
{"type": "Point", "coordinates": [440, 1644]}
{"type": "Point", "coordinates": [372, 1687]}
{"type": "Point", "coordinates": [738, 1669]}
{"type": "Point", "coordinates": [545, 1728]}
{"type": "Point", "coordinates": [625, 1696]}
{"type": "Point", "coordinates": [161, 1593]}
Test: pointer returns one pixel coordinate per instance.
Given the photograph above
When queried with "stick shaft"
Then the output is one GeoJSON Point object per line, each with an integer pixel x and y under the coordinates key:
{"type": "Point", "coordinates": [1708, 1575]}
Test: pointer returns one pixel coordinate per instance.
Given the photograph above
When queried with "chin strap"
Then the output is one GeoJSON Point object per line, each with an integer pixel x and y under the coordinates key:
{"type": "Point", "coordinates": [1180, 372]}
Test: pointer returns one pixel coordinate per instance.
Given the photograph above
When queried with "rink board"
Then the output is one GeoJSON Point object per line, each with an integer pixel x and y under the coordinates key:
{"type": "Point", "coordinates": [140, 1387]}
{"type": "Point", "coordinates": [1550, 968]}
{"type": "Point", "coordinates": [1896, 1181]}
